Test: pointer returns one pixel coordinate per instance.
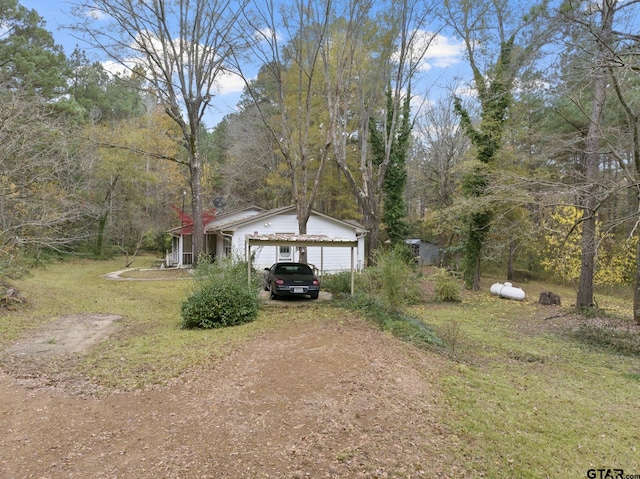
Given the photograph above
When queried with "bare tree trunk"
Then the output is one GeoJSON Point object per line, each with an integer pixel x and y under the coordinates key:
{"type": "Point", "coordinates": [592, 159]}
{"type": "Point", "coordinates": [512, 252]}
{"type": "Point", "coordinates": [636, 290]}
{"type": "Point", "coordinates": [302, 213]}
{"type": "Point", "coordinates": [197, 209]}
{"type": "Point", "coordinates": [184, 47]}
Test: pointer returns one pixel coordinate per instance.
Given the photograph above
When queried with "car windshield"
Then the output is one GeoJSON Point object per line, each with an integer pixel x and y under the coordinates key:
{"type": "Point", "coordinates": [293, 269]}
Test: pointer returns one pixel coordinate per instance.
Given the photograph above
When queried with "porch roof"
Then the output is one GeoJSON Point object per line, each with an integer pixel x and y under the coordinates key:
{"type": "Point", "coordinates": [276, 239]}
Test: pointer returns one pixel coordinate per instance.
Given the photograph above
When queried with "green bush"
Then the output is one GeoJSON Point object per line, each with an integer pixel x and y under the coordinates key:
{"type": "Point", "coordinates": [337, 283]}
{"type": "Point", "coordinates": [393, 279]}
{"type": "Point", "coordinates": [219, 304]}
{"type": "Point", "coordinates": [222, 296]}
{"type": "Point", "coordinates": [156, 240]}
{"type": "Point", "coordinates": [447, 288]}
{"type": "Point", "coordinates": [403, 326]}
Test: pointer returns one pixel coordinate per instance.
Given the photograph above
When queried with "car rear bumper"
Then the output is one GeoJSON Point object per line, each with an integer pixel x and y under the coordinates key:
{"type": "Point", "coordinates": [296, 290]}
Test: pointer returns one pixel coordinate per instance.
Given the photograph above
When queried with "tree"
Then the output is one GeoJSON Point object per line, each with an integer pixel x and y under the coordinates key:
{"type": "Point", "coordinates": [290, 76]}
{"type": "Point", "coordinates": [607, 47]}
{"type": "Point", "coordinates": [29, 57]}
{"type": "Point", "coordinates": [363, 56]}
{"type": "Point", "coordinates": [617, 48]}
{"type": "Point", "coordinates": [439, 147]}
{"type": "Point", "coordinates": [130, 193]}
{"type": "Point", "coordinates": [42, 185]}
{"type": "Point", "coordinates": [95, 95]}
{"type": "Point", "coordinates": [592, 159]}
{"type": "Point", "coordinates": [394, 209]}
{"type": "Point", "coordinates": [499, 42]}
{"type": "Point", "coordinates": [182, 47]}
{"type": "Point", "coordinates": [632, 117]}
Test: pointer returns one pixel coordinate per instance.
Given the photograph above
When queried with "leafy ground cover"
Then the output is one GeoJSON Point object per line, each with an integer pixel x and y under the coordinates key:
{"type": "Point", "coordinates": [510, 390]}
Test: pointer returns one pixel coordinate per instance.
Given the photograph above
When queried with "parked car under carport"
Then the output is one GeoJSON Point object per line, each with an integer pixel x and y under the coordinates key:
{"type": "Point", "coordinates": [291, 279]}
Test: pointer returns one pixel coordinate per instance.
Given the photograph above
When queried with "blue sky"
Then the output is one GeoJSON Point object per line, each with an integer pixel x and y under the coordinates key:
{"type": "Point", "coordinates": [443, 60]}
{"type": "Point", "coordinates": [56, 14]}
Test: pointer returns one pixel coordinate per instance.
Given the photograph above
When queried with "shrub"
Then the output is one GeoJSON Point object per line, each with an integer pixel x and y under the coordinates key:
{"type": "Point", "coordinates": [393, 278]}
{"type": "Point", "coordinates": [337, 283]}
{"type": "Point", "coordinates": [156, 240]}
{"type": "Point", "coordinates": [222, 296]}
{"type": "Point", "coordinates": [217, 305]}
{"type": "Point", "coordinates": [403, 326]}
{"type": "Point", "coordinates": [447, 288]}
{"type": "Point", "coordinates": [382, 290]}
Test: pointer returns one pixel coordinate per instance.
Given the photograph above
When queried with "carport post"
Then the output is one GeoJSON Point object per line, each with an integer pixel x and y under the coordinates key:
{"type": "Point", "coordinates": [248, 260]}
{"type": "Point", "coordinates": [352, 275]}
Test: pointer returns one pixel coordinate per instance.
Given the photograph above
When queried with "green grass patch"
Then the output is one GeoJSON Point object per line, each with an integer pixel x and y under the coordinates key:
{"type": "Point", "coordinates": [527, 401]}
{"type": "Point", "coordinates": [400, 324]}
{"type": "Point", "coordinates": [612, 339]}
{"type": "Point", "coordinates": [148, 345]}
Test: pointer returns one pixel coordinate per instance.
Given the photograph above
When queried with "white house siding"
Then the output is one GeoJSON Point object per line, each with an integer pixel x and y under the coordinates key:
{"type": "Point", "coordinates": [331, 259]}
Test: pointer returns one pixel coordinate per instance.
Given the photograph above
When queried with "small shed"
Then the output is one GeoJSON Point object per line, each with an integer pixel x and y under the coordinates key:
{"type": "Point", "coordinates": [424, 252]}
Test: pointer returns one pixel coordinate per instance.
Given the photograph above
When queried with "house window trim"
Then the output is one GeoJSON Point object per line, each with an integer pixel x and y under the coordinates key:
{"type": "Point", "coordinates": [227, 245]}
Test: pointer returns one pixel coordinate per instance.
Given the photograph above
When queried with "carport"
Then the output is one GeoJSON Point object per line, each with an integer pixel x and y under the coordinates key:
{"type": "Point", "coordinates": [307, 241]}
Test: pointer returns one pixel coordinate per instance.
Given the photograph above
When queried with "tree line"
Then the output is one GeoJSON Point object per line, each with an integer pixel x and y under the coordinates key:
{"type": "Point", "coordinates": [530, 163]}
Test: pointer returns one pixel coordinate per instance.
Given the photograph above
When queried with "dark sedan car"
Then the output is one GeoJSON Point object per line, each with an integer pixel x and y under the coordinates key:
{"type": "Point", "coordinates": [291, 279]}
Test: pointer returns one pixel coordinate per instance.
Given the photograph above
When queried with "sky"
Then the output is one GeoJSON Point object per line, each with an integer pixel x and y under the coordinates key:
{"type": "Point", "coordinates": [442, 64]}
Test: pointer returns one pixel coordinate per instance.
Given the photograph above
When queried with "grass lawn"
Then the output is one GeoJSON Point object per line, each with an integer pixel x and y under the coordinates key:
{"type": "Point", "coordinates": [148, 347]}
{"type": "Point", "coordinates": [529, 401]}
{"type": "Point", "coordinates": [525, 399]}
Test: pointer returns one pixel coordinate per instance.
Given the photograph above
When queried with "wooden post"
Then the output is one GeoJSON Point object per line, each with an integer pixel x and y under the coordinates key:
{"type": "Point", "coordinates": [352, 274]}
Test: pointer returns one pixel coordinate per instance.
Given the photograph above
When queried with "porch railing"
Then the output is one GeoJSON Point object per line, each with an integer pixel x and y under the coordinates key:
{"type": "Point", "coordinates": [171, 258]}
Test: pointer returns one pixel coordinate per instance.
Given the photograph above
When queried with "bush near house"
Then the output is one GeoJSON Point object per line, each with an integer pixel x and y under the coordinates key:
{"type": "Point", "coordinates": [222, 296]}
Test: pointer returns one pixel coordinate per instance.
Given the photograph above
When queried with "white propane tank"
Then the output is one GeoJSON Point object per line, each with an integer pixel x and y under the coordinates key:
{"type": "Point", "coordinates": [507, 290]}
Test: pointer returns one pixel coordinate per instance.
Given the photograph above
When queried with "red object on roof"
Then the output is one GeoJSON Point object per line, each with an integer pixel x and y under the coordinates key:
{"type": "Point", "coordinates": [187, 220]}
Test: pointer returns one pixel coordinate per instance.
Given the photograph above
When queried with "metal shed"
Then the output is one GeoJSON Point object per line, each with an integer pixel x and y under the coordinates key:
{"type": "Point", "coordinates": [424, 252]}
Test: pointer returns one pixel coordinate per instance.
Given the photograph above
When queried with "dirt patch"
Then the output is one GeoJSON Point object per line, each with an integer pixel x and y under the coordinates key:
{"type": "Point", "coordinates": [329, 399]}
{"type": "Point", "coordinates": [68, 334]}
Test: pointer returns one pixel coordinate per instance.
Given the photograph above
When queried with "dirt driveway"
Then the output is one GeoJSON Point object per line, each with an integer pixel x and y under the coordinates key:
{"type": "Point", "coordinates": [329, 399]}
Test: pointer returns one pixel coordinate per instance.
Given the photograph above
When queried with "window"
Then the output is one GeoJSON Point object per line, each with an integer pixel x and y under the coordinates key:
{"type": "Point", "coordinates": [284, 253]}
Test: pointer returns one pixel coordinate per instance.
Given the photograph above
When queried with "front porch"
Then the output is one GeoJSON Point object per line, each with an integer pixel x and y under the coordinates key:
{"type": "Point", "coordinates": [181, 254]}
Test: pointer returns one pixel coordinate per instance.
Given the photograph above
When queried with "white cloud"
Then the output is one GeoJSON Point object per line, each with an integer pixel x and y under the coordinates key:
{"type": "Point", "coordinates": [229, 83]}
{"type": "Point", "coordinates": [419, 104]}
{"type": "Point", "coordinates": [117, 68]}
{"type": "Point", "coordinates": [442, 53]}
{"type": "Point", "coordinates": [432, 50]}
{"type": "Point", "coordinates": [267, 34]}
{"type": "Point", "coordinates": [95, 14]}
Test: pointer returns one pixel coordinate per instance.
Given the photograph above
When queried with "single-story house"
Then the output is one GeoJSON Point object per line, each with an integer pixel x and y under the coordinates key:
{"type": "Point", "coordinates": [271, 236]}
